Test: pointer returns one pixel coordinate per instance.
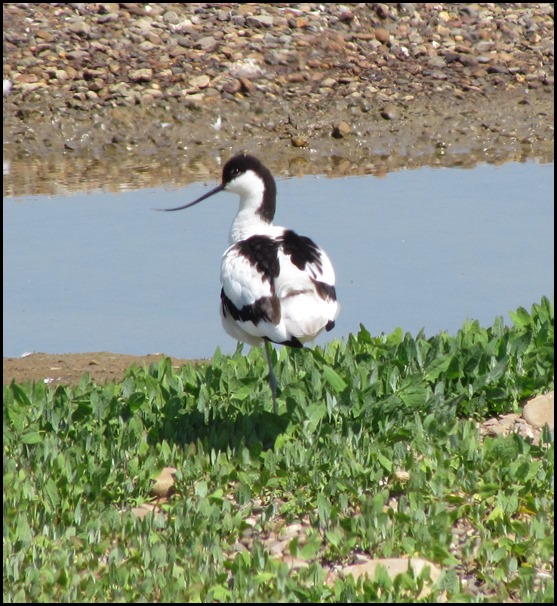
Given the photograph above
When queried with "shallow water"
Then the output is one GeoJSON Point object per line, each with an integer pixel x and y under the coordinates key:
{"type": "Point", "coordinates": [426, 248]}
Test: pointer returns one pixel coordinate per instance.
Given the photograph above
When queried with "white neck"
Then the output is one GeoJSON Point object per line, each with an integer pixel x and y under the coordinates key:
{"type": "Point", "coordinates": [247, 223]}
{"type": "Point", "coordinates": [248, 220]}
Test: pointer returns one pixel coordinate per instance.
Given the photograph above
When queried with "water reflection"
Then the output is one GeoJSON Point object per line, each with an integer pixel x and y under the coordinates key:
{"type": "Point", "coordinates": [61, 175]}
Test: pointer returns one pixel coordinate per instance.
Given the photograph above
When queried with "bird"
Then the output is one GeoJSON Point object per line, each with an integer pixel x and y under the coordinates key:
{"type": "Point", "coordinates": [277, 287]}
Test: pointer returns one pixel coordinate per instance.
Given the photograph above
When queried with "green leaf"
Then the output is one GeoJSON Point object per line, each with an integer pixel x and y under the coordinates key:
{"type": "Point", "coordinates": [315, 412]}
{"type": "Point", "coordinates": [23, 530]}
{"type": "Point", "coordinates": [32, 437]}
{"type": "Point", "coordinates": [220, 594]}
{"type": "Point", "coordinates": [243, 392]}
{"type": "Point", "coordinates": [20, 396]}
{"type": "Point", "coordinates": [310, 549]}
{"type": "Point", "coordinates": [334, 379]}
{"type": "Point", "coordinates": [52, 492]}
{"type": "Point", "coordinates": [438, 367]}
{"type": "Point", "coordinates": [386, 463]}
{"type": "Point", "coordinates": [395, 338]}
{"type": "Point", "coordinates": [201, 489]}
{"type": "Point", "coordinates": [521, 318]}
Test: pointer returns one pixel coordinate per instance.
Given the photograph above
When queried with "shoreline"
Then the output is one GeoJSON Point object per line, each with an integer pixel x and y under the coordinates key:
{"type": "Point", "coordinates": [103, 94]}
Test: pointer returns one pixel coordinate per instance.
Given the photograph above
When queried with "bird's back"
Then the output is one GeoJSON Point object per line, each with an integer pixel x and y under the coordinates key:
{"type": "Point", "coordinates": [277, 286]}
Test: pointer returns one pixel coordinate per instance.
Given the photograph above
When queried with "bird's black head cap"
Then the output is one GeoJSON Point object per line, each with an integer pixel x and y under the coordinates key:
{"type": "Point", "coordinates": [241, 163]}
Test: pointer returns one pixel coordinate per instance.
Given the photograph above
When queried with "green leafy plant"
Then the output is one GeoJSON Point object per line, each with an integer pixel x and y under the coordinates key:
{"type": "Point", "coordinates": [376, 452]}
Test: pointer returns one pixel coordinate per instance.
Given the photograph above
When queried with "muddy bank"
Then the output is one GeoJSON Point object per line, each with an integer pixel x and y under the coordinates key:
{"type": "Point", "coordinates": [68, 369]}
{"type": "Point", "coordinates": [100, 95]}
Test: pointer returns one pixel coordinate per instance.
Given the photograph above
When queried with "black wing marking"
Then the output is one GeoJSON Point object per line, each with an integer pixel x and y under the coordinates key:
{"type": "Point", "coordinates": [262, 253]}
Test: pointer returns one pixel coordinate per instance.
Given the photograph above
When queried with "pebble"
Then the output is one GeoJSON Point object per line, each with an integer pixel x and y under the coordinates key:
{"type": "Point", "coordinates": [207, 44]}
{"type": "Point", "coordinates": [341, 129]}
{"type": "Point", "coordinates": [260, 21]}
{"type": "Point", "coordinates": [314, 36]}
{"type": "Point", "coordinates": [382, 35]}
{"type": "Point", "coordinates": [141, 75]}
{"type": "Point", "coordinates": [390, 112]}
{"type": "Point", "coordinates": [200, 81]}
{"type": "Point", "coordinates": [299, 141]}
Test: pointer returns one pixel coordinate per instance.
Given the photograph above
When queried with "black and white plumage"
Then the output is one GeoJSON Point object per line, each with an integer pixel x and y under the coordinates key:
{"type": "Point", "coordinates": [277, 286]}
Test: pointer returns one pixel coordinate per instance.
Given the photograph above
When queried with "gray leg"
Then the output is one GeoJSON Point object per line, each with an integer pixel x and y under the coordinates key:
{"type": "Point", "coordinates": [272, 377]}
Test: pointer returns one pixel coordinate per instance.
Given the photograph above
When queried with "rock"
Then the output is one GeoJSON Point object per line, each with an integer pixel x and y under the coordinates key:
{"type": "Point", "coordinates": [500, 426]}
{"type": "Point", "coordinates": [341, 129]}
{"type": "Point", "coordinates": [382, 11]}
{"type": "Point", "coordinates": [299, 141]}
{"type": "Point", "coordinates": [277, 548]}
{"type": "Point", "coordinates": [143, 510]}
{"type": "Point", "coordinates": [232, 86]}
{"type": "Point", "coordinates": [200, 81]}
{"type": "Point", "coordinates": [537, 413]}
{"type": "Point", "coordinates": [390, 112]}
{"type": "Point", "coordinates": [28, 87]}
{"type": "Point", "coordinates": [540, 412]}
{"type": "Point", "coordinates": [207, 44]}
{"type": "Point", "coordinates": [141, 75]}
{"type": "Point", "coordinates": [291, 531]}
{"type": "Point", "coordinates": [78, 55]}
{"type": "Point", "coordinates": [44, 35]}
{"type": "Point", "coordinates": [299, 22]}
{"type": "Point", "coordinates": [156, 93]}
{"type": "Point", "coordinates": [171, 17]}
{"type": "Point", "coordinates": [260, 21]}
{"type": "Point", "coordinates": [164, 484]}
{"type": "Point", "coordinates": [247, 85]}
{"type": "Point", "coordinates": [394, 567]}
{"type": "Point", "coordinates": [81, 28]}
{"type": "Point", "coordinates": [147, 46]}
{"type": "Point", "coordinates": [382, 35]}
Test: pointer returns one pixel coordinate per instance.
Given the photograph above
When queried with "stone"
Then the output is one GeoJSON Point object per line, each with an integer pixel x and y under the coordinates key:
{"type": "Point", "coordinates": [260, 21]}
{"type": "Point", "coordinates": [382, 35]}
{"type": "Point", "coordinates": [390, 112]}
{"type": "Point", "coordinates": [341, 129]}
{"type": "Point", "coordinates": [394, 567]}
{"type": "Point", "coordinates": [141, 75]}
{"type": "Point", "coordinates": [207, 44]}
{"type": "Point", "coordinates": [201, 81]}
{"type": "Point", "coordinates": [164, 484]}
{"type": "Point", "coordinates": [540, 411]}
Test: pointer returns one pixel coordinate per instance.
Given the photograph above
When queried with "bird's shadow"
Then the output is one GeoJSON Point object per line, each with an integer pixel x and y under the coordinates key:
{"type": "Point", "coordinates": [183, 419]}
{"type": "Point", "coordinates": [221, 429]}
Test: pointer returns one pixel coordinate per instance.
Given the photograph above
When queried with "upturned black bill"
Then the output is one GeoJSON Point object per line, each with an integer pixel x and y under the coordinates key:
{"type": "Point", "coordinates": [204, 197]}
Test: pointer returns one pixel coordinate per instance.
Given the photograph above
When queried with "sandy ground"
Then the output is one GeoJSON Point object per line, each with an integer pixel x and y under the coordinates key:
{"type": "Point", "coordinates": [68, 369]}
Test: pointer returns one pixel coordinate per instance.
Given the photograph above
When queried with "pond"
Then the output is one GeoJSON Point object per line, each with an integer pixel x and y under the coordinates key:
{"type": "Point", "coordinates": [417, 249]}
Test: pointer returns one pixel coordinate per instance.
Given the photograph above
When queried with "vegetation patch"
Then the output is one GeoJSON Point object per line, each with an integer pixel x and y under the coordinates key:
{"type": "Point", "coordinates": [376, 454]}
